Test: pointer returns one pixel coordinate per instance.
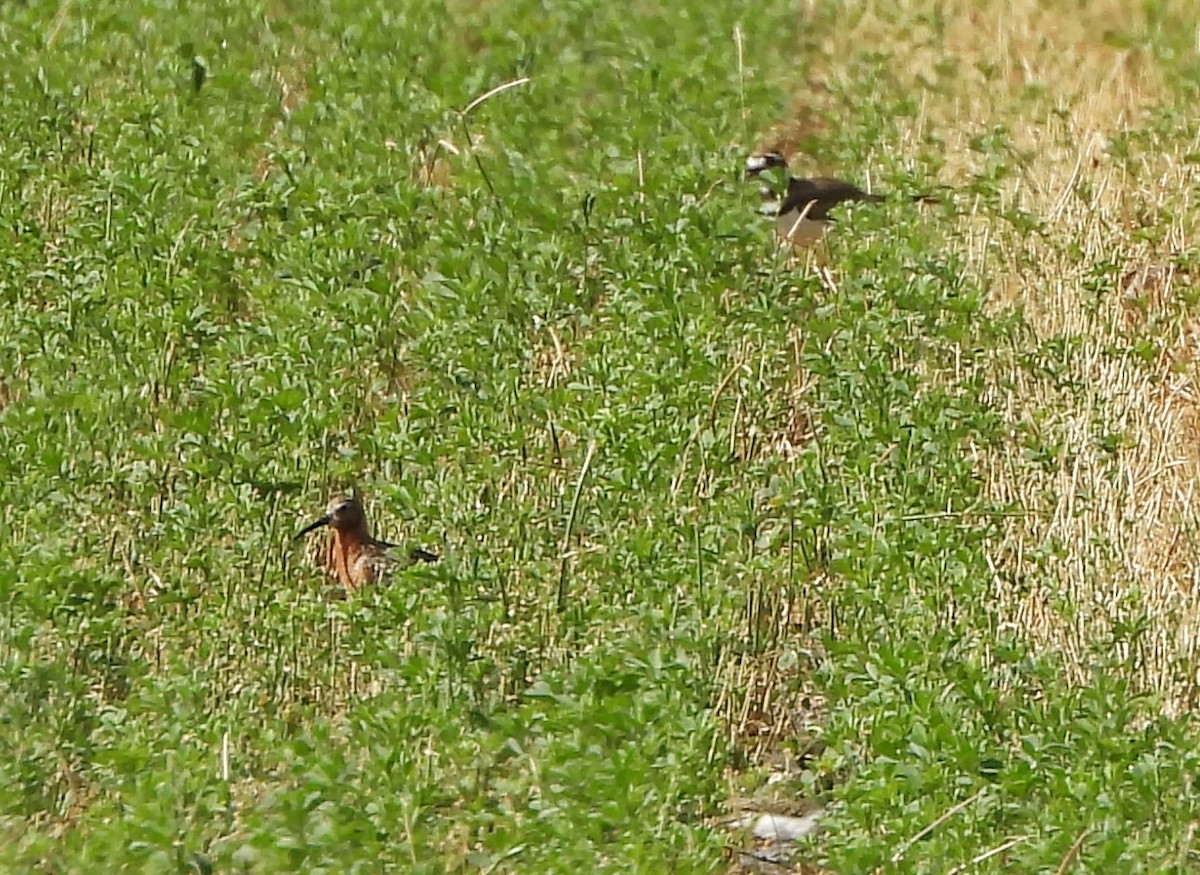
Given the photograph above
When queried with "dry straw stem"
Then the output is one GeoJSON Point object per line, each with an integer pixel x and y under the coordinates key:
{"type": "Point", "coordinates": [488, 95]}
{"type": "Point", "coordinates": [988, 854]}
{"type": "Point", "coordinates": [946, 815]}
{"type": "Point", "coordinates": [1072, 853]}
{"type": "Point", "coordinates": [474, 104]}
{"type": "Point", "coordinates": [60, 19]}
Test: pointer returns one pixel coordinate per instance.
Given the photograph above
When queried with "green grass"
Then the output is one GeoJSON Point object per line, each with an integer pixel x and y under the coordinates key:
{"type": "Point", "coordinates": [643, 443]}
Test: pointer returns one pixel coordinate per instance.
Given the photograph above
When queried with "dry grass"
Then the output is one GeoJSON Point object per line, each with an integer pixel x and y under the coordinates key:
{"type": "Point", "coordinates": [553, 361]}
{"type": "Point", "coordinates": [1114, 507]}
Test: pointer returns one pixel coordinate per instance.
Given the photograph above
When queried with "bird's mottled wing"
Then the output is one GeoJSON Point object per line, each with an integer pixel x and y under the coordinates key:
{"type": "Point", "coordinates": [404, 556]}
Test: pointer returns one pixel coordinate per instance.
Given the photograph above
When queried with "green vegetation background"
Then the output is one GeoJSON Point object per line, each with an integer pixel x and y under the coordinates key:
{"type": "Point", "coordinates": [229, 289]}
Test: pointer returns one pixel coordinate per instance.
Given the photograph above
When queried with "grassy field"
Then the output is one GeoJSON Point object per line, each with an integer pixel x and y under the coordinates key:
{"type": "Point", "coordinates": [906, 530]}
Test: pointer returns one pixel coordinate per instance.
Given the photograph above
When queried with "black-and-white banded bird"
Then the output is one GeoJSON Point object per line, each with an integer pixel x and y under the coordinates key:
{"type": "Point", "coordinates": [802, 210]}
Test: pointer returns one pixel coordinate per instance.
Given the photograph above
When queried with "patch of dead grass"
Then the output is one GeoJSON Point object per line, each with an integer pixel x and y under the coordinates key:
{"type": "Point", "coordinates": [1109, 539]}
{"type": "Point", "coordinates": [553, 361]}
{"type": "Point", "coordinates": [1114, 507]}
{"type": "Point", "coordinates": [1108, 536]}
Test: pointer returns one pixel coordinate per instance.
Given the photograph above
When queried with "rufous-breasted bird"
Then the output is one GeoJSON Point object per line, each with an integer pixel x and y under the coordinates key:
{"type": "Point", "coordinates": [352, 555]}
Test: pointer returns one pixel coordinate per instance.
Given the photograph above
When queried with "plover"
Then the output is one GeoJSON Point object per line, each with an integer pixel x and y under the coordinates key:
{"type": "Point", "coordinates": [802, 210]}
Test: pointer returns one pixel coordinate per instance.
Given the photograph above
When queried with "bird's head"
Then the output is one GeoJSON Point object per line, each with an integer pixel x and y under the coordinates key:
{"type": "Point", "coordinates": [344, 512]}
{"type": "Point", "coordinates": [761, 161]}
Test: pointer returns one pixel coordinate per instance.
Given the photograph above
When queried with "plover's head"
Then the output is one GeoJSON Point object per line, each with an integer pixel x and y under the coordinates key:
{"type": "Point", "coordinates": [757, 163]}
{"type": "Point", "coordinates": [344, 512]}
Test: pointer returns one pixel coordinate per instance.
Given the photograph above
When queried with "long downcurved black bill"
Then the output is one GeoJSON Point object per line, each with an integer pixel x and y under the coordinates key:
{"type": "Point", "coordinates": [323, 521]}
